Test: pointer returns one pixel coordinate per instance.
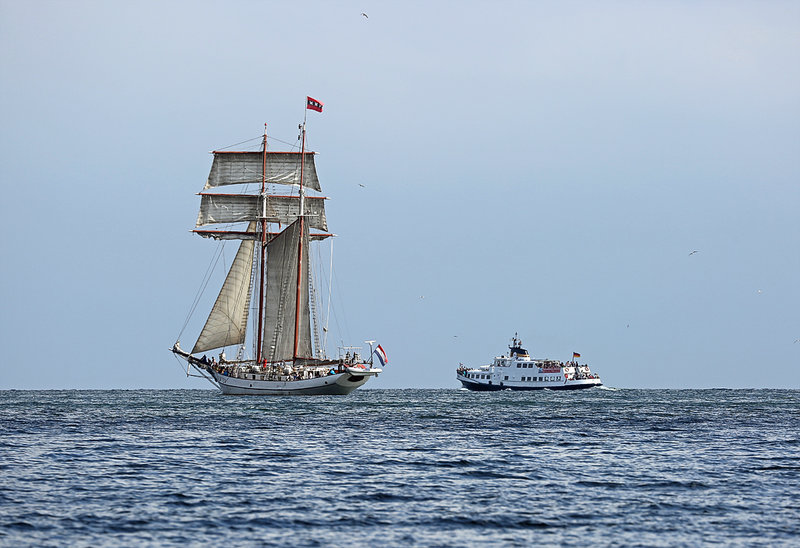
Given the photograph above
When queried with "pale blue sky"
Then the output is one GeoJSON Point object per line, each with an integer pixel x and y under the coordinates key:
{"type": "Point", "coordinates": [534, 167]}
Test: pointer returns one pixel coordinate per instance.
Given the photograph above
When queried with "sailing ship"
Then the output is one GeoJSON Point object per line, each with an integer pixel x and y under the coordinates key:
{"type": "Point", "coordinates": [273, 268]}
{"type": "Point", "coordinates": [518, 371]}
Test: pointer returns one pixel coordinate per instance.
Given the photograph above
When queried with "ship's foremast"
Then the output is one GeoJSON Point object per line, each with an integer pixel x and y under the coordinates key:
{"type": "Point", "coordinates": [263, 255]}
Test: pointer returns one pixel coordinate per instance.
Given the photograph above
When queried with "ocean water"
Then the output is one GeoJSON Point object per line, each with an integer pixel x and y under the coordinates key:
{"type": "Point", "coordinates": [598, 467]}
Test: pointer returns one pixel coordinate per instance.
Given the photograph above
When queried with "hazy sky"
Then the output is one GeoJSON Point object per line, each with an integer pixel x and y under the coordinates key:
{"type": "Point", "coordinates": [534, 167]}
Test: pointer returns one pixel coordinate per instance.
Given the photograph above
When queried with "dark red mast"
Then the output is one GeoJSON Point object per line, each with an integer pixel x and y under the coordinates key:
{"type": "Point", "coordinates": [300, 247]}
{"type": "Point", "coordinates": [263, 252]}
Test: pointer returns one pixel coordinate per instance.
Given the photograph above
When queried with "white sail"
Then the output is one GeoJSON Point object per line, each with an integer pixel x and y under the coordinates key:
{"type": "Point", "coordinates": [227, 321]}
{"type": "Point", "coordinates": [231, 168]}
{"type": "Point", "coordinates": [281, 298]}
{"type": "Point", "coordinates": [234, 208]}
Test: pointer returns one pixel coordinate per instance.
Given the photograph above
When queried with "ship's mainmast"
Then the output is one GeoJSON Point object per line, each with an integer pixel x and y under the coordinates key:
{"type": "Point", "coordinates": [300, 245]}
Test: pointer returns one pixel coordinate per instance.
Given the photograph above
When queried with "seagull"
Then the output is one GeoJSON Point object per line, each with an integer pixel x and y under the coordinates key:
{"type": "Point", "coordinates": [362, 186]}
{"type": "Point", "coordinates": [365, 15]}
{"type": "Point", "coordinates": [759, 292]}
{"type": "Point", "coordinates": [693, 252]}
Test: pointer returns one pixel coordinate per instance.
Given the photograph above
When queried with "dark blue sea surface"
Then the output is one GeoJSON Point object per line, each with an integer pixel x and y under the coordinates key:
{"type": "Point", "coordinates": [598, 467]}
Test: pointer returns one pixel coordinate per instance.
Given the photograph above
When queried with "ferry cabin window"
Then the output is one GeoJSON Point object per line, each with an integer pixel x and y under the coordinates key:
{"type": "Point", "coordinates": [506, 378]}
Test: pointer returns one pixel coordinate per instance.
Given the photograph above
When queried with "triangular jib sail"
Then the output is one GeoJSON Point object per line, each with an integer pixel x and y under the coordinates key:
{"type": "Point", "coordinates": [227, 322]}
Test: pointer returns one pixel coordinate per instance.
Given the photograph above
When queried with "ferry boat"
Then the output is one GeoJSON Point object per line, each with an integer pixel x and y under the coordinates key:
{"type": "Point", "coordinates": [518, 371]}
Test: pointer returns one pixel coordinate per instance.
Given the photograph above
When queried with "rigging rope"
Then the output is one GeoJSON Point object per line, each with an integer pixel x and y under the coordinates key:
{"type": "Point", "coordinates": [260, 139]}
{"type": "Point", "coordinates": [203, 284]}
{"type": "Point", "coordinates": [330, 288]}
{"type": "Point", "coordinates": [346, 330]}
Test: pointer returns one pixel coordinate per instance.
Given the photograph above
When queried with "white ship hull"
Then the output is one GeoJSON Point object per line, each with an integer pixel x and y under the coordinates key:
{"type": "Point", "coordinates": [337, 384]}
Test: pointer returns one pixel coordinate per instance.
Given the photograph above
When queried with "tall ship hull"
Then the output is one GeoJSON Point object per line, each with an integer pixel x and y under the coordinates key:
{"type": "Point", "coordinates": [335, 385]}
{"type": "Point", "coordinates": [268, 304]}
{"type": "Point", "coordinates": [333, 378]}
{"type": "Point", "coordinates": [518, 371]}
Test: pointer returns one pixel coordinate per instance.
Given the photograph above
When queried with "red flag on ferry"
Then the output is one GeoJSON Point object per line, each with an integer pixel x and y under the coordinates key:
{"type": "Point", "coordinates": [576, 355]}
{"type": "Point", "coordinates": [313, 104]}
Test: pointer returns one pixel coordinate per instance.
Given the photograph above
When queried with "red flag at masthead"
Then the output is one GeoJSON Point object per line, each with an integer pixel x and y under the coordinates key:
{"type": "Point", "coordinates": [313, 104]}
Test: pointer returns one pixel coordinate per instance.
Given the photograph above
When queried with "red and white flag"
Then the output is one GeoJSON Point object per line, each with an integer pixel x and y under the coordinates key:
{"type": "Point", "coordinates": [381, 355]}
{"type": "Point", "coordinates": [313, 104]}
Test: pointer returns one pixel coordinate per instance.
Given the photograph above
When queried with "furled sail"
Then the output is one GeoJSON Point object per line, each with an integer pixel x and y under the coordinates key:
{"type": "Point", "coordinates": [281, 298]}
{"type": "Point", "coordinates": [231, 168]}
{"type": "Point", "coordinates": [227, 321]}
{"type": "Point", "coordinates": [234, 208]}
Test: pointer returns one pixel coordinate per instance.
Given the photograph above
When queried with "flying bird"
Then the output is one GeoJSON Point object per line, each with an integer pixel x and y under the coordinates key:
{"type": "Point", "coordinates": [362, 186]}
{"type": "Point", "coordinates": [365, 15]}
{"type": "Point", "coordinates": [693, 252]}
